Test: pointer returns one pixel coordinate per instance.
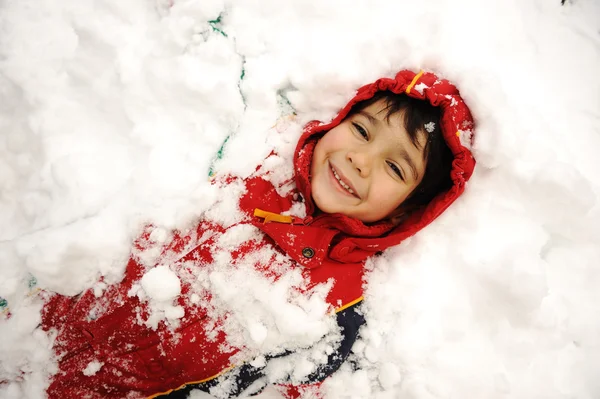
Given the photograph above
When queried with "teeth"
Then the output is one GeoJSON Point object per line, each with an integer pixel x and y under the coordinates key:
{"type": "Point", "coordinates": [341, 182]}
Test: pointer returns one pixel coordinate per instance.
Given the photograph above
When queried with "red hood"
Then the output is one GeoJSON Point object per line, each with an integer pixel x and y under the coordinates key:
{"type": "Point", "coordinates": [457, 129]}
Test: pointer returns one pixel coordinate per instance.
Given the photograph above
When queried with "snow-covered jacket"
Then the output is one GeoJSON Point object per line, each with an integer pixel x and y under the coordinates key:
{"type": "Point", "coordinates": [105, 346]}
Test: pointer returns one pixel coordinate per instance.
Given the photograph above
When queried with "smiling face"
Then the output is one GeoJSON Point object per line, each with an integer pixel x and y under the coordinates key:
{"type": "Point", "coordinates": [367, 165]}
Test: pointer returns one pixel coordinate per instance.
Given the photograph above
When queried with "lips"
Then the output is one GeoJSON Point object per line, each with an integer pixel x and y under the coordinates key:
{"type": "Point", "coordinates": [343, 182]}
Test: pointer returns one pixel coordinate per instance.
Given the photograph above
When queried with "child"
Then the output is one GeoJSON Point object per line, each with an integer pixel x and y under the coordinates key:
{"type": "Point", "coordinates": [394, 158]}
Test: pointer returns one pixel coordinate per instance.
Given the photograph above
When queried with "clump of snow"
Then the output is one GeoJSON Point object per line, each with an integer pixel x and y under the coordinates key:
{"type": "Point", "coordinates": [430, 127]}
{"type": "Point", "coordinates": [93, 367]}
{"type": "Point", "coordinates": [99, 288]}
{"type": "Point", "coordinates": [237, 235]}
{"type": "Point", "coordinates": [25, 359]}
{"type": "Point", "coordinates": [272, 315]}
{"type": "Point", "coordinates": [295, 368]}
{"type": "Point", "coordinates": [160, 286]}
{"type": "Point", "coordinates": [420, 87]}
{"type": "Point", "coordinates": [225, 210]}
{"type": "Point", "coordinates": [198, 394]}
{"type": "Point", "coordinates": [102, 119]}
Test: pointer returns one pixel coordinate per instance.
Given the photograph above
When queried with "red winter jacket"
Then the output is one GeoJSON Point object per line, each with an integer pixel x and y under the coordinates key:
{"type": "Point", "coordinates": [137, 361]}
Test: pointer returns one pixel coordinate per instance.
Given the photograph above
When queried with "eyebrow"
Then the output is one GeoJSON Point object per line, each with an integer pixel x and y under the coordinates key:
{"type": "Point", "coordinates": [403, 153]}
{"type": "Point", "coordinates": [411, 164]}
{"type": "Point", "coordinates": [370, 117]}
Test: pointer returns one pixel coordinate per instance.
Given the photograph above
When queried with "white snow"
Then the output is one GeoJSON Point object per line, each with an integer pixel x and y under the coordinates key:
{"type": "Point", "coordinates": [430, 127]}
{"type": "Point", "coordinates": [270, 312]}
{"type": "Point", "coordinates": [161, 284]}
{"type": "Point", "coordinates": [197, 394]}
{"type": "Point", "coordinates": [389, 375]}
{"type": "Point", "coordinates": [93, 367]}
{"type": "Point", "coordinates": [420, 87]}
{"type": "Point", "coordinates": [111, 113]}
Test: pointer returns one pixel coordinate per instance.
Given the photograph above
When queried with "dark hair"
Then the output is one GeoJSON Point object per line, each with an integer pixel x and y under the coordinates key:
{"type": "Point", "coordinates": [438, 157]}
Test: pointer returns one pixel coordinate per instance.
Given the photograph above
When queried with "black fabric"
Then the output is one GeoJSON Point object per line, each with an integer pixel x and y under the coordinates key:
{"type": "Point", "coordinates": [242, 376]}
{"type": "Point", "coordinates": [350, 320]}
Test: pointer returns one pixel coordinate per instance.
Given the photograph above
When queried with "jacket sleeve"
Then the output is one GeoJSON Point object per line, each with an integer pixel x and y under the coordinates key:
{"type": "Point", "coordinates": [350, 320]}
{"type": "Point", "coordinates": [249, 378]}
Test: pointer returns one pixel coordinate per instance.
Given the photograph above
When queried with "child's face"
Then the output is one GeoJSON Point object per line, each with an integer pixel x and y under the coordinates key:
{"type": "Point", "coordinates": [375, 160]}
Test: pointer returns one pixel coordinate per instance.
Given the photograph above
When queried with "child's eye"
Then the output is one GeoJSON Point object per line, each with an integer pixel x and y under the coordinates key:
{"type": "Point", "coordinates": [361, 131]}
{"type": "Point", "coordinates": [396, 170]}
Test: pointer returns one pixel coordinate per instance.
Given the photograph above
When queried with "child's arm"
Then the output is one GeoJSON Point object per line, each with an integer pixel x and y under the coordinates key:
{"type": "Point", "coordinates": [350, 320]}
{"type": "Point", "coordinates": [247, 377]}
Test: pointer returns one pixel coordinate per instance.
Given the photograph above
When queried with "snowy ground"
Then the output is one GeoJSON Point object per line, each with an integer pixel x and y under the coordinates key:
{"type": "Point", "coordinates": [112, 111]}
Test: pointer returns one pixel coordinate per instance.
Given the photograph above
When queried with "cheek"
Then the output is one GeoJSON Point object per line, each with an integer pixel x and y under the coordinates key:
{"type": "Point", "coordinates": [320, 151]}
{"type": "Point", "coordinates": [388, 194]}
{"type": "Point", "coordinates": [317, 171]}
{"type": "Point", "coordinates": [317, 158]}
{"type": "Point", "coordinates": [333, 140]}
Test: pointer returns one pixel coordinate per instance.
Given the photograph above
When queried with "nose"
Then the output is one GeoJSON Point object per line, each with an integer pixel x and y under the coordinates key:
{"type": "Point", "coordinates": [360, 160]}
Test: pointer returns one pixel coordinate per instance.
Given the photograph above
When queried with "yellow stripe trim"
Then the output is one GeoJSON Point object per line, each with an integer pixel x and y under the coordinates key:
{"type": "Point", "coordinates": [272, 217]}
{"type": "Point", "coordinates": [191, 383]}
{"type": "Point", "coordinates": [346, 306]}
{"type": "Point", "coordinates": [414, 82]}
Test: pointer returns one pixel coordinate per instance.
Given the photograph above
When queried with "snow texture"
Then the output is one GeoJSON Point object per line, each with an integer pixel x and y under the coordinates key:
{"type": "Point", "coordinates": [430, 127]}
{"type": "Point", "coordinates": [160, 287]}
{"type": "Point", "coordinates": [161, 284]}
{"type": "Point", "coordinates": [111, 113]}
{"type": "Point", "coordinates": [93, 367]}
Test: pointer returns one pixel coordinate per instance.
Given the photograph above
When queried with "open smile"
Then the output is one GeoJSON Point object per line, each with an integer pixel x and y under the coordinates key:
{"type": "Point", "coordinates": [342, 182]}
